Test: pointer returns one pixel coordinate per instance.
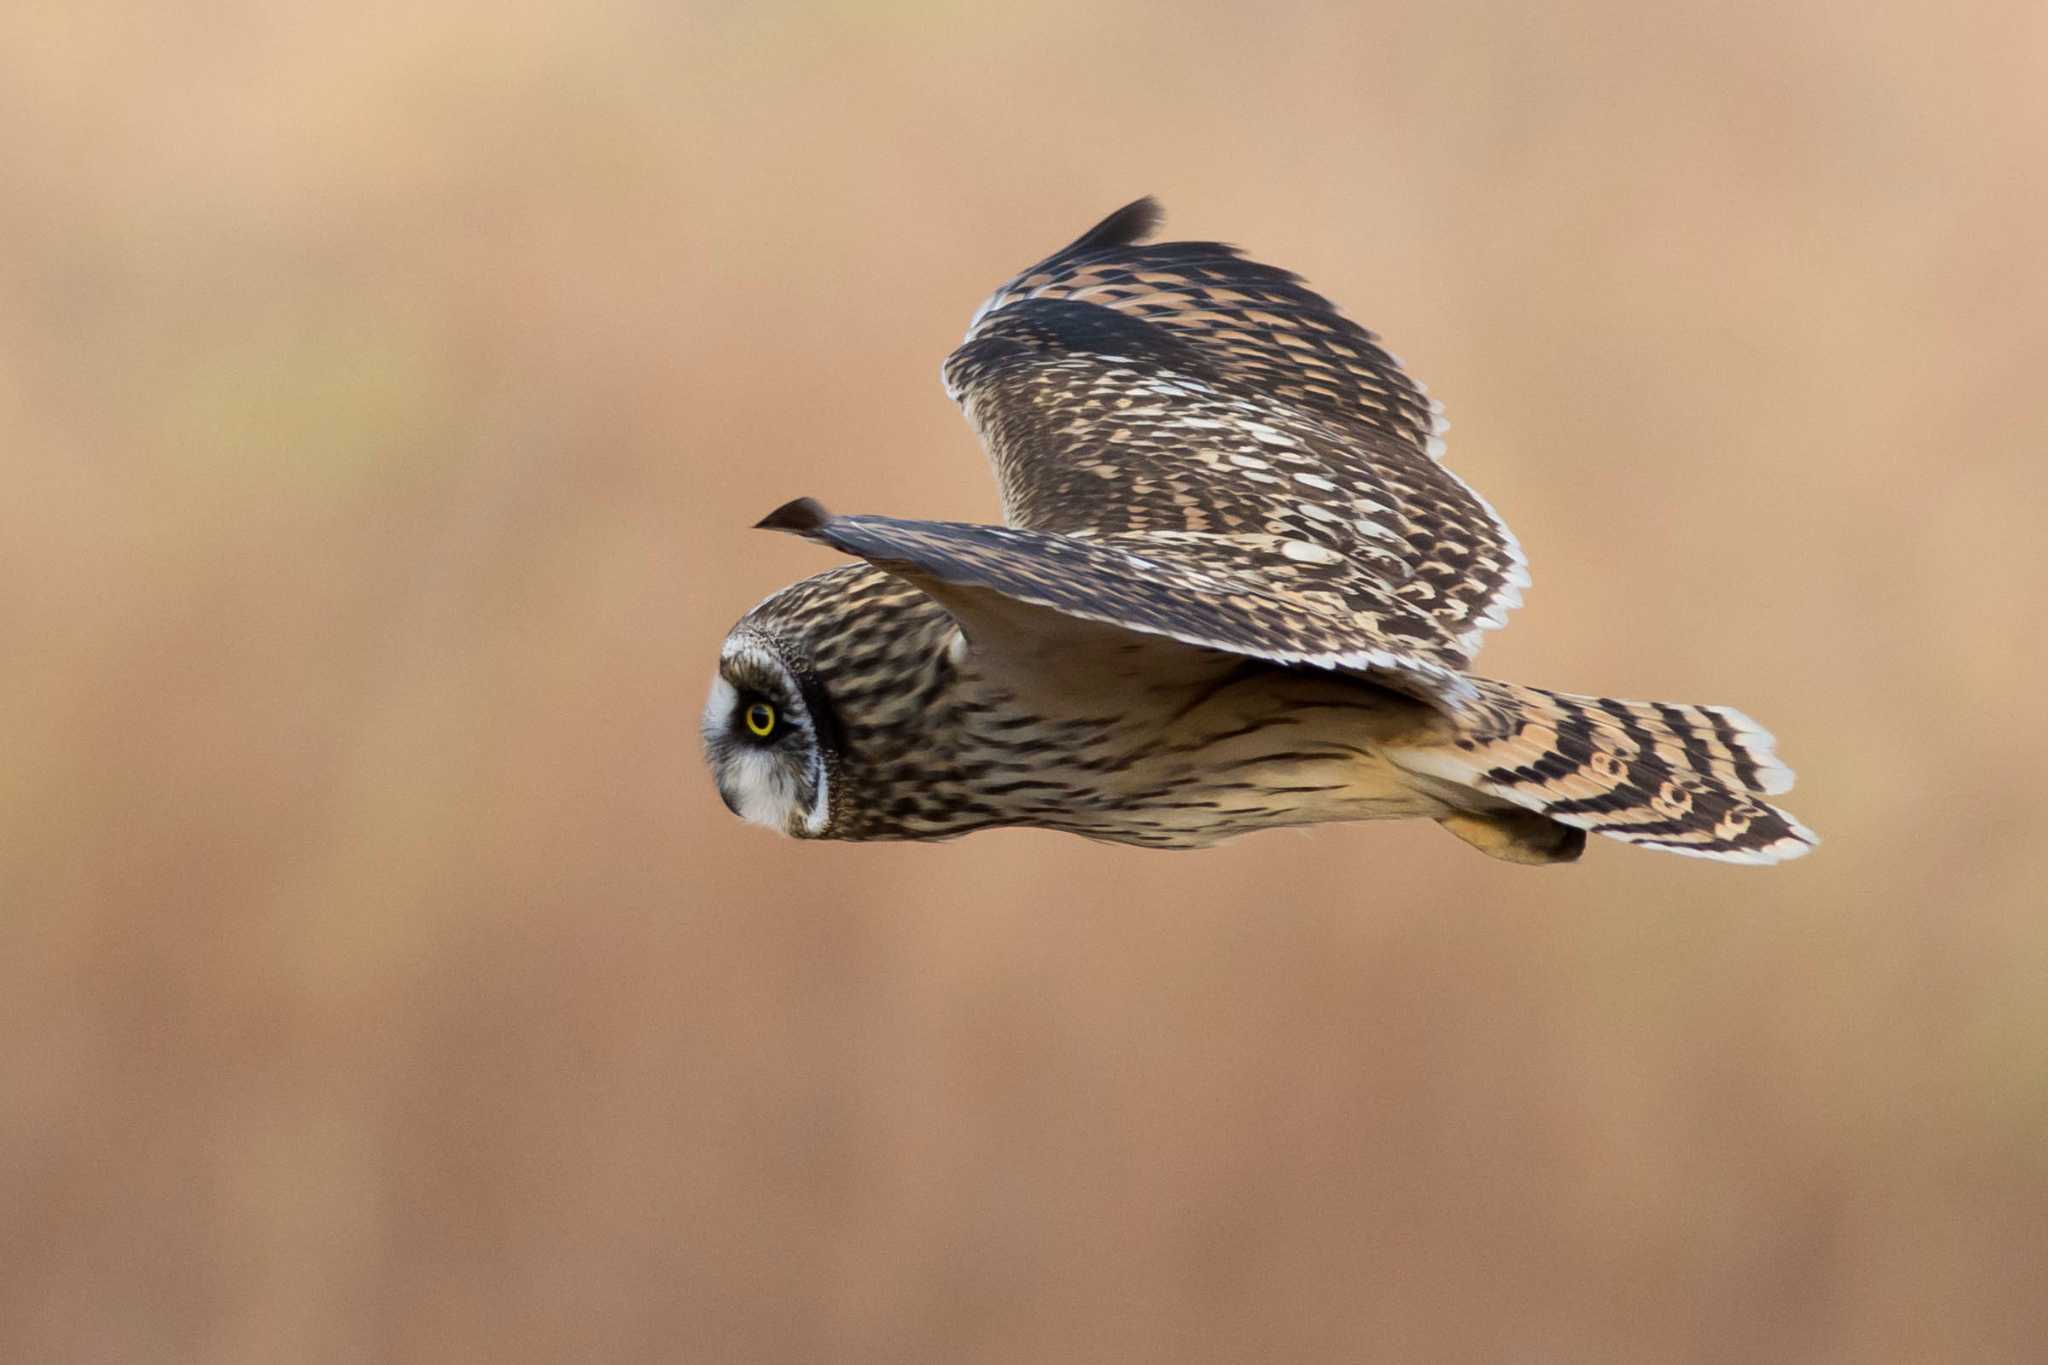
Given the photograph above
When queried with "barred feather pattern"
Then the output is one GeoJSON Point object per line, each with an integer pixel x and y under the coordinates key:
{"type": "Point", "coordinates": [1674, 776]}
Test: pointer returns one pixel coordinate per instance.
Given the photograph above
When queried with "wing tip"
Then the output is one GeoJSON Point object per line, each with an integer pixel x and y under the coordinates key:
{"type": "Point", "coordinates": [801, 515]}
{"type": "Point", "coordinates": [1134, 222]}
{"type": "Point", "coordinates": [1795, 843]}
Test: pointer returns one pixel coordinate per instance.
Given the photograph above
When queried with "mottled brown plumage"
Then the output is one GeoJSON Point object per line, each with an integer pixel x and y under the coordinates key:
{"type": "Point", "coordinates": [1236, 589]}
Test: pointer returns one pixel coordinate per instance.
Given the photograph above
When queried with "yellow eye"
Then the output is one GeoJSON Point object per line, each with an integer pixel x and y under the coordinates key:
{"type": "Point", "coordinates": [761, 719]}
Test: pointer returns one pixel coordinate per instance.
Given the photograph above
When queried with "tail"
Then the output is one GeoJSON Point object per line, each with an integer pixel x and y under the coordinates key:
{"type": "Point", "coordinates": [1685, 779]}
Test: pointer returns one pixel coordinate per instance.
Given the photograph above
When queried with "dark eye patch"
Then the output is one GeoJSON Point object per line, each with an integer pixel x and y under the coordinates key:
{"type": "Point", "coordinates": [824, 715]}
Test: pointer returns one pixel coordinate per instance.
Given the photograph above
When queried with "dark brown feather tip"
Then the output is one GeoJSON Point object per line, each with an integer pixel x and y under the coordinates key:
{"type": "Point", "coordinates": [1134, 222]}
{"type": "Point", "coordinates": [800, 515]}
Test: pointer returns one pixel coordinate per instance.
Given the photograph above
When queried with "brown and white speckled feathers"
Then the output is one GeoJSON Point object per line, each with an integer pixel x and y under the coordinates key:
{"type": "Point", "coordinates": [1123, 387]}
{"type": "Point", "coordinates": [1237, 590]}
{"type": "Point", "coordinates": [1089, 729]}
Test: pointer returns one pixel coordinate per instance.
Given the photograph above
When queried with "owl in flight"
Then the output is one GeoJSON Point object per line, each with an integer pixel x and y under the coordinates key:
{"type": "Point", "coordinates": [1235, 589]}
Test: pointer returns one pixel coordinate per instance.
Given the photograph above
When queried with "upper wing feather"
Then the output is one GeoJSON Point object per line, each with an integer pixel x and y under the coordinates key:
{"type": "Point", "coordinates": [1121, 387]}
{"type": "Point", "coordinates": [1190, 588]}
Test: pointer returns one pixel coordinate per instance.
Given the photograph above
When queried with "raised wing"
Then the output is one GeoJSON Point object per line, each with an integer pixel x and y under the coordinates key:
{"type": "Point", "coordinates": [1245, 596]}
{"type": "Point", "coordinates": [1121, 387]}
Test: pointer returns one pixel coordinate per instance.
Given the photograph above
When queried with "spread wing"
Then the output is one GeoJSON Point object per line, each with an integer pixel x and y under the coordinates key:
{"type": "Point", "coordinates": [1122, 388]}
{"type": "Point", "coordinates": [1247, 596]}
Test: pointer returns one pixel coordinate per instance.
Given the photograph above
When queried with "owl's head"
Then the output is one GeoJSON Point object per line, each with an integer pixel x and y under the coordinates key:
{"type": "Point", "coordinates": [828, 716]}
{"type": "Point", "coordinates": [772, 735]}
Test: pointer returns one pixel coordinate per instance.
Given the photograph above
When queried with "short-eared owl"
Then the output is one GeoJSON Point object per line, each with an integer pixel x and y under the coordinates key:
{"type": "Point", "coordinates": [1235, 589]}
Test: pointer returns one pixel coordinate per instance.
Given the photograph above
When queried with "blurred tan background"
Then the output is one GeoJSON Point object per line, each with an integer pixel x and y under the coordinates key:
{"type": "Point", "coordinates": [384, 392]}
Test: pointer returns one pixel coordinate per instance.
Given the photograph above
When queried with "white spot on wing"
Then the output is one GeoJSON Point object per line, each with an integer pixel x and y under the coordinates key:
{"type": "Point", "coordinates": [1307, 552]}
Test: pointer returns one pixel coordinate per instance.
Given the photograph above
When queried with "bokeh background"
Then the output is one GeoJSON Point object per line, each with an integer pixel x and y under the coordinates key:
{"type": "Point", "coordinates": [386, 390]}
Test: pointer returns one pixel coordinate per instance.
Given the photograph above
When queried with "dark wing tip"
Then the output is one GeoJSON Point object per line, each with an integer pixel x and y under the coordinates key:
{"type": "Point", "coordinates": [799, 515]}
{"type": "Point", "coordinates": [1134, 222]}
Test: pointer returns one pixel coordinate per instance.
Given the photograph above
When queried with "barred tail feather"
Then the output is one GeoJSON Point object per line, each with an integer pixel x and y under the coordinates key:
{"type": "Point", "coordinates": [1665, 775]}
